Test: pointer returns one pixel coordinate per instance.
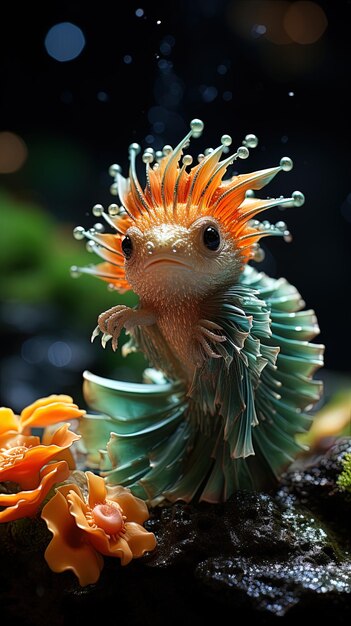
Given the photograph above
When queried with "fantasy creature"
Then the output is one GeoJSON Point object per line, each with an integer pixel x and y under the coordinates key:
{"type": "Point", "coordinates": [230, 348]}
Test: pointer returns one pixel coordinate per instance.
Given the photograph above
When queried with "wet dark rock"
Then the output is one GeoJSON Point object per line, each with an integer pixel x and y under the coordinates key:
{"type": "Point", "coordinates": [270, 558]}
{"type": "Point", "coordinates": [313, 481]}
{"type": "Point", "coordinates": [276, 587]}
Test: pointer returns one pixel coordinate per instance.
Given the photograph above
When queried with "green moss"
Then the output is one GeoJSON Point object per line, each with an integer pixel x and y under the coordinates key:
{"type": "Point", "coordinates": [344, 480]}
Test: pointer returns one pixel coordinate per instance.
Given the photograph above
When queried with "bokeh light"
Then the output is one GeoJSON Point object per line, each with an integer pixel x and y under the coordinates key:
{"type": "Point", "coordinates": [260, 18]}
{"type": "Point", "coordinates": [279, 21]}
{"type": "Point", "coordinates": [13, 152]}
{"type": "Point", "coordinates": [64, 41]}
{"type": "Point", "coordinates": [59, 354]}
{"type": "Point", "coordinates": [305, 22]}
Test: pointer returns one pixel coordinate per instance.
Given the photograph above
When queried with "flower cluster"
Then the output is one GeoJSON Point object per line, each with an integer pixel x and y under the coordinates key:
{"type": "Point", "coordinates": [88, 519]}
{"type": "Point", "coordinates": [29, 468]}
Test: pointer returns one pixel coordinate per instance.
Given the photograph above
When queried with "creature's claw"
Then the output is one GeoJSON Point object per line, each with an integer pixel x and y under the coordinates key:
{"type": "Point", "coordinates": [111, 322]}
{"type": "Point", "coordinates": [96, 333]}
{"type": "Point", "coordinates": [104, 339]}
{"type": "Point", "coordinates": [204, 337]}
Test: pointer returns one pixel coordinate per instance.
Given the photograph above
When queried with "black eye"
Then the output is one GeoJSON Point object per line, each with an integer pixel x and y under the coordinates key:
{"type": "Point", "coordinates": [127, 247]}
{"type": "Point", "coordinates": [211, 238]}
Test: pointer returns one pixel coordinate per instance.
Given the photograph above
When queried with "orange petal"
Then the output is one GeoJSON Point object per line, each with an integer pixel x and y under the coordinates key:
{"type": "Point", "coordinates": [66, 550]}
{"type": "Point", "coordinates": [117, 548]}
{"type": "Point", "coordinates": [26, 503]}
{"type": "Point", "coordinates": [50, 410]}
{"type": "Point", "coordinates": [66, 455]}
{"type": "Point", "coordinates": [62, 437]}
{"type": "Point", "coordinates": [97, 489]}
{"type": "Point", "coordinates": [25, 471]}
{"type": "Point", "coordinates": [139, 539]}
{"type": "Point", "coordinates": [133, 508]}
{"type": "Point", "coordinates": [8, 420]}
{"type": "Point", "coordinates": [83, 560]}
{"type": "Point", "coordinates": [78, 510]}
{"type": "Point", "coordinates": [13, 439]}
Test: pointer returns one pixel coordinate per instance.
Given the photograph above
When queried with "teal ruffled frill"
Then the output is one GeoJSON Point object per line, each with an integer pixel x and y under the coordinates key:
{"type": "Point", "coordinates": [235, 428]}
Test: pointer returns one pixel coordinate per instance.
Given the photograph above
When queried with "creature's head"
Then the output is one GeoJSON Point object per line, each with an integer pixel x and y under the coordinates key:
{"type": "Point", "coordinates": [188, 231]}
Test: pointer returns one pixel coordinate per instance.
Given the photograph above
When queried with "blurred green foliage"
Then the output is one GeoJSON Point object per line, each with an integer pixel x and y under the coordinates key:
{"type": "Point", "coordinates": [36, 254]}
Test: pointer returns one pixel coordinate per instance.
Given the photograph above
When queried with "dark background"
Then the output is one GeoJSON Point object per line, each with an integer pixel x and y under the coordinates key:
{"type": "Point", "coordinates": [139, 80]}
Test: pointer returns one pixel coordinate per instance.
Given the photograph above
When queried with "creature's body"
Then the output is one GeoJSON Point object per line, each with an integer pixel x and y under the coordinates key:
{"type": "Point", "coordinates": [231, 342]}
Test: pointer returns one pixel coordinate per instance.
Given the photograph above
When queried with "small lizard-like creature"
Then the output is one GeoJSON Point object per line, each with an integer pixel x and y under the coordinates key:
{"type": "Point", "coordinates": [235, 339]}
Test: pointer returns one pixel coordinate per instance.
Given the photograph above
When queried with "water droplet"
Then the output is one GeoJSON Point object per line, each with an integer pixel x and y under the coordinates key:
{"type": "Point", "coordinates": [99, 228]}
{"type": "Point", "coordinates": [286, 164]}
{"type": "Point", "coordinates": [97, 210]}
{"type": "Point", "coordinates": [242, 152]}
{"type": "Point", "coordinates": [78, 232]}
{"type": "Point", "coordinates": [298, 198]}
{"type": "Point", "coordinates": [251, 141]}
{"type": "Point", "coordinates": [197, 127]}
{"type": "Point", "coordinates": [113, 210]}
{"type": "Point", "coordinates": [226, 140]}
{"type": "Point", "coordinates": [75, 273]}
{"type": "Point", "coordinates": [114, 170]}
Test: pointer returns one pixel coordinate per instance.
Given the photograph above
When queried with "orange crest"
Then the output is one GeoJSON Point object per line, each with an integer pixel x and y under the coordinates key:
{"type": "Point", "coordinates": [177, 193]}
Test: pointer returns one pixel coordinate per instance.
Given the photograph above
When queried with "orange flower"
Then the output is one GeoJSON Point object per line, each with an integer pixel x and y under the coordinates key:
{"type": "Point", "coordinates": [43, 412]}
{"type": "Point", "coordinates": [27, 470]}
{"type": "Point", "coordinates": [107, 522]}
{"type": "Point", "coordinates": [26, 503]}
